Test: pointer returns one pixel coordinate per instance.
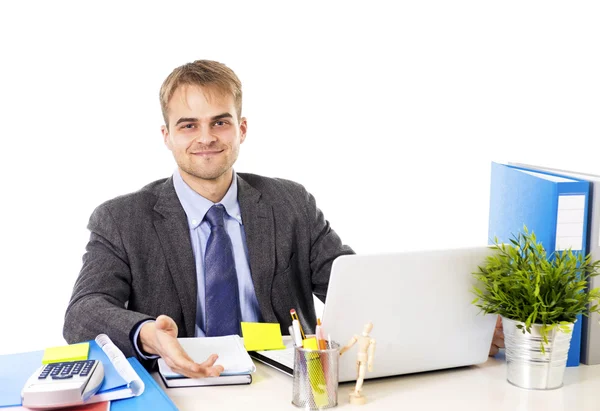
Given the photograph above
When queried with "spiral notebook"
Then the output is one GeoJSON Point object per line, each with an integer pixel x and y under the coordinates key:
{"type": "Point", "coordinates": [237, 364]}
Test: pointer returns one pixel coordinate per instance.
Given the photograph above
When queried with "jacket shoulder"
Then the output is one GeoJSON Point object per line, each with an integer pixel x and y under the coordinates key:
{"type": "Point", "coordinates": [275, 189]}
{"type": "Point", "coordinates": [141, 200]}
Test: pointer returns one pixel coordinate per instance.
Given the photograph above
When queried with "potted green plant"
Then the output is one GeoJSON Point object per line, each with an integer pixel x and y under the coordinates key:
{"type": "Point", "coordinates": [539, 296]}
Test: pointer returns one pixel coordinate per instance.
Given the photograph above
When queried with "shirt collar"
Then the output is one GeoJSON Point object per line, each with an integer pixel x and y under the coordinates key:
{"type": "Point", "coordinates": [196, 206]}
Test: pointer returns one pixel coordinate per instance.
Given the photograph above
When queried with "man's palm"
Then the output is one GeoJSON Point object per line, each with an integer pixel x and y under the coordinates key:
{"type": "Point", "coordinates": [177, 359]}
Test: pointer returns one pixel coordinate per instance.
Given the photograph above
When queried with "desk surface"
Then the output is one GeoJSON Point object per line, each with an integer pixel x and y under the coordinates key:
{"type": "Point", "coordinates": [469, 388]}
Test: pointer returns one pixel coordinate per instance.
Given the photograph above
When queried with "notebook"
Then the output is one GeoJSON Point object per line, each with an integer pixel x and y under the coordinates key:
{"type": "Point", "coordinates": [241, 379]}
{"type": "Point", "coordinates": [234, 358]}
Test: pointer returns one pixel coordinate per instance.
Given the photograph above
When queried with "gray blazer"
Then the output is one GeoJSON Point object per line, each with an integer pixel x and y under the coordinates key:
{"type": "Point", "coordinates": [139, 261]}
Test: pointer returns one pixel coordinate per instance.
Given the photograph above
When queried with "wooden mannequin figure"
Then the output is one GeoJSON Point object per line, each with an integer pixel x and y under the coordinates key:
{"type": "Point", "coordinates": [366, 352]}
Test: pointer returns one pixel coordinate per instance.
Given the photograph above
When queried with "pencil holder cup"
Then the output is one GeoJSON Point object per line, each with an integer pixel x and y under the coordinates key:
{"type": "Point", "coordinates": [316, 374]}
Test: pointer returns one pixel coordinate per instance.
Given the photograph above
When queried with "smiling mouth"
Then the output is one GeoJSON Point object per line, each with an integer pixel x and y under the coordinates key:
{"type": "Point", "coordinates": [207, 153]}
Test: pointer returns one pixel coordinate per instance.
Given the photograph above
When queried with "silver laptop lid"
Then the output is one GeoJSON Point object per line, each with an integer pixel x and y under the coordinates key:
{"type": "Point", "coordinates": [420, 307]}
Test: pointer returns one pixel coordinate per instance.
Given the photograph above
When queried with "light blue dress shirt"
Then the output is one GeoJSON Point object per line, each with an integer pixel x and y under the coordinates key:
{"type": "Point", "coordinates": [196, 207]}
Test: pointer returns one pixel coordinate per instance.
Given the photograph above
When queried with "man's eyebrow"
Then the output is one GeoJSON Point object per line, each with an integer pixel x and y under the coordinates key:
{"type": "Point", "coordinates": [195, 120]}
{"type": "Point", "coordinates": [186, 120]}
{"type": "Point", "coordinates": [221, 116]}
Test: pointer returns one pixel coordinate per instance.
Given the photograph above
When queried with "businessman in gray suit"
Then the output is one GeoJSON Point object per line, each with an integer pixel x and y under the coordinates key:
{"type": "Point", "coordinates": [200, 251]}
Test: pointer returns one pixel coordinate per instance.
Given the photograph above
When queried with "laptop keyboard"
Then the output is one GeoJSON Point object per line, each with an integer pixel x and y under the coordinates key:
{"type": "Point", "coordinates": [284, 357]}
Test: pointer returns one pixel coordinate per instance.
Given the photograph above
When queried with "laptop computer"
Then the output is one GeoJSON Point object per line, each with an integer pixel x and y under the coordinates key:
{"type": "Point", "coordinates": [420, 305]}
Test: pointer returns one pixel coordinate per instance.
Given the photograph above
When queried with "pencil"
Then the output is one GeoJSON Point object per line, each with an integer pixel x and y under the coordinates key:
{"type": "Point", "coordinates": [295, 317]}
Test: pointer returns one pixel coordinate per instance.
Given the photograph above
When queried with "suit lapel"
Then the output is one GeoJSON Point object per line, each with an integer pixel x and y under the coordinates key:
{"type": "Point", "coordinates": [259, 226]}
{"type": "Point", "coordinates": [174, 235]}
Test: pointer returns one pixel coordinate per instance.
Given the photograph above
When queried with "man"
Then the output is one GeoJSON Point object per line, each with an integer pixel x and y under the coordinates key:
{"type": "Point", "coordinates": [195, 254]}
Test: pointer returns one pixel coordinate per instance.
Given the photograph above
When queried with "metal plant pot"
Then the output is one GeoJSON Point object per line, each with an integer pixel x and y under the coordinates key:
{"type": "Point", "coordinates": [527, 366]}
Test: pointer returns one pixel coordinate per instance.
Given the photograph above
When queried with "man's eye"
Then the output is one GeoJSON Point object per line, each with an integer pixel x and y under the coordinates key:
{"type": "Point", "coordinates": [220, 123]}
{"type": "Point", "coordinates": [189, 126]}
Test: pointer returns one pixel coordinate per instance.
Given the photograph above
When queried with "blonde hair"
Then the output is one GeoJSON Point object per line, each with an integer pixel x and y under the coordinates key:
{"type": "Point", "coordinates": [208, 74]}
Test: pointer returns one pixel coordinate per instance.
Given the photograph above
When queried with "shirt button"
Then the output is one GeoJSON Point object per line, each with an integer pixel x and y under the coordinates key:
{"type": "Point", "coordinates": [194, 221]}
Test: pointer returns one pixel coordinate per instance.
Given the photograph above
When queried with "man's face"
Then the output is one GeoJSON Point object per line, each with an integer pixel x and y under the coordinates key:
{"type": "Point", "coordinates": [204, 133]}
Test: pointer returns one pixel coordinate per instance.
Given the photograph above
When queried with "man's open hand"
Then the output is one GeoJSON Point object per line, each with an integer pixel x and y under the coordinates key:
{"type": "Point", "coordinates": [160, 338]}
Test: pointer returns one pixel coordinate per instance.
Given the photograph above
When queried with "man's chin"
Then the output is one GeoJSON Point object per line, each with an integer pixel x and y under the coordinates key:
{"type": "Point", "coordinates": [207, 175]}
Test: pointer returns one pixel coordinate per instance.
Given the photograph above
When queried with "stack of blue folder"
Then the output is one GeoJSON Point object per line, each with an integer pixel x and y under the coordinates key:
{"type": "Point", "coordinates": [15, 369]}
{"type": "Point", "coordinates": [554, 207]}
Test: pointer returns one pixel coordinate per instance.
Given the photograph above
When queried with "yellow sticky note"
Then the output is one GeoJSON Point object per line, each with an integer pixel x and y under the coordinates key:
{"type": "Point", "coordinates": [74, 352]}
{"type": "Point", "coordinates": [262, 336]}
{"type": "Point", "coordinates": [310, 343]}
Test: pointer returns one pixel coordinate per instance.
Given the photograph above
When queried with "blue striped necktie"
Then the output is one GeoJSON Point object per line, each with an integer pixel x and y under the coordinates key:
{"type": "Point", "coordinates": [222, 299]}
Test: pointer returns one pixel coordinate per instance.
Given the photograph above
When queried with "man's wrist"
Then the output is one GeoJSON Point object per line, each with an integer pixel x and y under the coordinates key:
{"type": "Point", "coordinates": [147, 336]}
{"type": "Point", "coordinates": [141, 338]}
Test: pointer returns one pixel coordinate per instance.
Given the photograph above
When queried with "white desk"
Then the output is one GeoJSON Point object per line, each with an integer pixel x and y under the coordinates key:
{"type": "Point", "coordinates": [474, 388]}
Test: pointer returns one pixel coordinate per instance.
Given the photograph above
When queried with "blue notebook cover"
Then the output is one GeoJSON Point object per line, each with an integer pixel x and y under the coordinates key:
{"type": "Point", "coordinates": [153, 397]}
{"type": "Point", "coordinates": [15, 369]}
{"type": "Point", "coordinates": [520, 198]}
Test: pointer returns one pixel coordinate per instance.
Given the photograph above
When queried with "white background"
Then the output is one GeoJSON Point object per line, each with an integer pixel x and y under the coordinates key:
{"type": "Point", "coordinates": [390, 114]}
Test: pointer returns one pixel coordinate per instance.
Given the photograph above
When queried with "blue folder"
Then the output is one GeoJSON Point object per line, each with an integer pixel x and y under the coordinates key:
{"type": "Point", "coordinates": [15, 369]}
{"type": "Point", "coordinates": [590, 328]}
{"type": "Point", "coordinates": [153, 398]}
{"type": "Point", "coordinates": [533, 198]}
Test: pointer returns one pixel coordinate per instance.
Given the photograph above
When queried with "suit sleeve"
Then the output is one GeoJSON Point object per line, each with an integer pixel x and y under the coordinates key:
{"type": "Point", "coordinates": [325, 247]}
{"type": "Point", "coordinates": [101, 293]}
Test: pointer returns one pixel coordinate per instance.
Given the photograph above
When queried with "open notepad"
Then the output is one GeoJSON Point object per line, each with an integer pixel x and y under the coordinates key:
{"type": "Point", "coordinates": [237, 364]}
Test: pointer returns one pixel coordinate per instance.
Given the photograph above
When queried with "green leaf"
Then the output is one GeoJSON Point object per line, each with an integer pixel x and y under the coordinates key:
{"type": "Point", "coordinates": [523, 282]}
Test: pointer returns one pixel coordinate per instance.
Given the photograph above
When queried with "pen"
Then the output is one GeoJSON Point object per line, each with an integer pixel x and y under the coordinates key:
{"type": "Point", "coordinates": [320, 334]}
{"type": "Point", "coordinates": [295, 318]}
{"type": "Point", "coordinates": [291, 330]}
{"type": "Point", "coordinates": [296, 336]}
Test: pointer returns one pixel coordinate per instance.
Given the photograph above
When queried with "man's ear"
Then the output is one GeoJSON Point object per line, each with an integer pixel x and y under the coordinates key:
{"type": "Point", "coordinates": [165, 132]}
{"type": "Point", "coordinates": [243, 129]}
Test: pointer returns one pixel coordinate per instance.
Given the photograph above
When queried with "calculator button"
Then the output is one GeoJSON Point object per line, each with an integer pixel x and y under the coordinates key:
{"type": "Point", "coordinates": [62, 377]}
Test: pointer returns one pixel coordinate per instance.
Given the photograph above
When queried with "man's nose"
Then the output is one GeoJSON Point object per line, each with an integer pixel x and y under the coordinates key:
{"type": "Point", "coordinates": [205, 136]}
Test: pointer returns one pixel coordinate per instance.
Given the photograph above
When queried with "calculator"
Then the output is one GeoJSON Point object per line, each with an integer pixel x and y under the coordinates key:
{"type": "Point", "coordinates": [62, 384]}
